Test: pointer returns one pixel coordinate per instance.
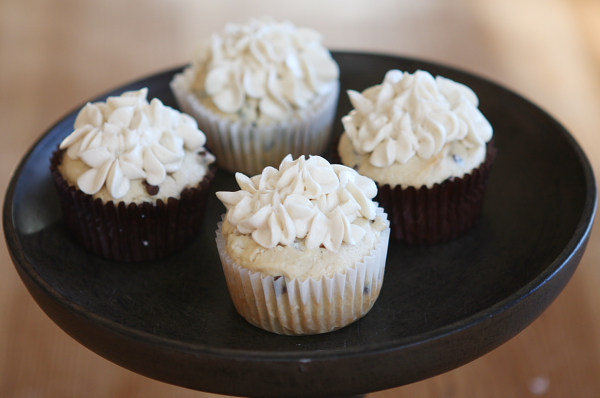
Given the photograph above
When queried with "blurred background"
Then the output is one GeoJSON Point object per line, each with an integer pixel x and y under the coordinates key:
{"type": "Point", "coordinates": [57, 54]}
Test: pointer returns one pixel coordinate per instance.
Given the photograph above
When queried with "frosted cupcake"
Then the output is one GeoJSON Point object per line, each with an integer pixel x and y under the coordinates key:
{"type": "Point", "coordinates": [303, 247]}
{"type": "Point", "coordinates": [133, 178]}
{"type": "Point", "coordinates": [260, 91]}
{"type": "Point", "coordinates": [428, 147]}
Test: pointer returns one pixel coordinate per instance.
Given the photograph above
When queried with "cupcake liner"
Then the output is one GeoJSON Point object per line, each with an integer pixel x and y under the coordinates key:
{"type": "Point", "coordinates": [295, 307]}
{"type": "Point", "coordinates": [427, 216]}
{"type": "Point", "coordinates": [131, 232]}
{"type": "Point", "coordinates": [249, 148]}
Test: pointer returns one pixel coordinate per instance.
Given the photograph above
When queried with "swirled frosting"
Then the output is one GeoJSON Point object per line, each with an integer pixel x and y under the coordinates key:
{"type": "Point", "coordinates": [264, 70]}
{"type": "Point", "coordinates": [306, 199]}
{"type": "Point", "coordinates": [417, 116]}
{"type": "Point", "coordinates": [128, 138]}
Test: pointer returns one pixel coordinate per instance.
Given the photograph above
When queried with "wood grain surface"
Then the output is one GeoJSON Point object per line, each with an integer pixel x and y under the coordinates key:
{"type": "Point", "coordinates": [57, 54]}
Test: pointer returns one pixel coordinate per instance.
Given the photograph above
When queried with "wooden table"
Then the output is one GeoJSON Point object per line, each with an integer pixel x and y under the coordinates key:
{"type": "Point", "coordinates": [55, 55]}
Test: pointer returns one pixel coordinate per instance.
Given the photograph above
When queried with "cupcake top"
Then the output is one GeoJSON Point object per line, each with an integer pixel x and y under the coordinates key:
{"type": "Point", "coordinates": [414, 130]}
{"type": "Point", "coordinates": [306, 219]}
{"type": "Point", "coordinates": [132, 150]}
{"type": "Point", "coordinates": [305, 199]}
{"type": "Point", "coordinates": [262, 71]}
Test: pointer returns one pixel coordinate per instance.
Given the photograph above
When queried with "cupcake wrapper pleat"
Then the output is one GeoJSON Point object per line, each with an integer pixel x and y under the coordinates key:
{"type": "Point", "coordinates": [132, 232]}
{"type": "Point", "coordinates": [427, 216]}
{"type": "Point", "coordinates": [295, 307]}
{"type": "Point", "coordinates": [249, 148]}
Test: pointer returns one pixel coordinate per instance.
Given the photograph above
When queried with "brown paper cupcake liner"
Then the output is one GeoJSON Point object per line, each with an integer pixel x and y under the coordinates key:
{"type": "Point", "coordinates": [132, 232]}
{"type": "Point", "coordinates": [427, 216]}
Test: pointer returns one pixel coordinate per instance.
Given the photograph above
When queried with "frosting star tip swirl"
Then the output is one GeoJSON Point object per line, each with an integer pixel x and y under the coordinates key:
{"type": "Point", "coordinates": [306, 199]}
{"type": "Point", "coordinates": [128, 138]}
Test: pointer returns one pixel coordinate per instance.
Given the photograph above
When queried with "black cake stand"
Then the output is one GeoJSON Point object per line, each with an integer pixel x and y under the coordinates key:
{"type": "Point", "coordinates": [440, 306]}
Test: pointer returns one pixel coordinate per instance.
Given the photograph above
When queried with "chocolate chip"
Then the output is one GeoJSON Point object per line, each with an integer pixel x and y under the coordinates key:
{"type": "Point", "coordinates": [366, 290]}
{"type": "Point", "coordinates": [281, 288]}
{"type": "Point", "coordinates": [151, 189]}
{"type": "Point", "coordinates": [202, 153]}
{"type": "Point", "coordinates": [457, 158]}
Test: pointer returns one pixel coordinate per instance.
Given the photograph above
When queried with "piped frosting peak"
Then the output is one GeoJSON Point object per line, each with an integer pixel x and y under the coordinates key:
{"type": "Point", "coordinates": [308, 199]}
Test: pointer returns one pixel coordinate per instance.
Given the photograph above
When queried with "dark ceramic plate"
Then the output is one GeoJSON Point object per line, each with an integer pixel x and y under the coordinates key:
{"type": "Point", "coordinates": [440, 306]}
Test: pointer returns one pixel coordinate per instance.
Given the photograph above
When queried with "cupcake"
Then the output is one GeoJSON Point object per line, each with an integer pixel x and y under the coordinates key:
{"type": "Point", "coordinates": [261, 91]}
{"type": "Point", "coordinates": [303, 247]}
{"type": "Point", "coordinates": [426, 144]}
{"type": "Point", "coordinates": [133, 178]}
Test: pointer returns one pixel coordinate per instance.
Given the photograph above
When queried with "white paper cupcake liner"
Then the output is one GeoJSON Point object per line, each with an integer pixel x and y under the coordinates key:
{"type": "Point", "coordinates": [249, 148]}
{"type": "Point", "coordinates": [294, 307]}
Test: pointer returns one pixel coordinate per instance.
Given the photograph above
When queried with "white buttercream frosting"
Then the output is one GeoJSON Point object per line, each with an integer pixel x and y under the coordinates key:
{"type": "Point", "coordinates": [263, 70]}
{"type": "Point", "coordinates": [416, 118]}
{"type": "Point", "coordinates": [305, 199]}
{"type": "Point", "coordinates": [128, 139]}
